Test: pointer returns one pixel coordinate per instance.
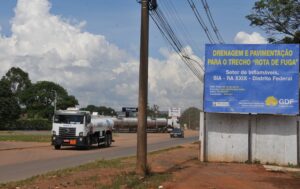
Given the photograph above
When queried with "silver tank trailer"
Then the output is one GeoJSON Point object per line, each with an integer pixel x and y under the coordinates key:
{"type": "Point", "coordinates": [130, 125]}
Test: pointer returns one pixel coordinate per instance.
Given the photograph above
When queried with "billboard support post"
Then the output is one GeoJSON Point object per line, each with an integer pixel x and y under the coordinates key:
{"type": "Point", "coordinates": [249, 139]}
{"type": "Point", "coordinates": [298, 143]}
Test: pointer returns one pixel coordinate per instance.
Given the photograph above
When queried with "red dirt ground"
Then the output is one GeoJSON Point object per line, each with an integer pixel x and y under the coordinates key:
{"type": "Point", "coordinates": [194, 174]}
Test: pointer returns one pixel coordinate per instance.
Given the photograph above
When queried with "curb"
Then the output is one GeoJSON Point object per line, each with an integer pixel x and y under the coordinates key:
{"type": "Point", "coordinates": [278, 168]}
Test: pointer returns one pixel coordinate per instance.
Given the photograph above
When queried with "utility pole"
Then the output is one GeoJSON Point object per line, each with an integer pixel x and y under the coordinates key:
{"type": "Point", "coordinates": [55, 99]}
{"type": "Point", "coordinates": [189, 120]}
{"type": "Point", "coordinates": [141, 165]}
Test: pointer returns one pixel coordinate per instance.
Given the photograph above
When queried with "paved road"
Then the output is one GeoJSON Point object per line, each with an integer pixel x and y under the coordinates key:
{"type": "Point", "coordinates": [21, 164]}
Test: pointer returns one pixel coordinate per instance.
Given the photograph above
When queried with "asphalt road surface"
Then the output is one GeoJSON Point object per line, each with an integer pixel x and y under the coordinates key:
{"type": "Point", "coordinates": [18, 164]}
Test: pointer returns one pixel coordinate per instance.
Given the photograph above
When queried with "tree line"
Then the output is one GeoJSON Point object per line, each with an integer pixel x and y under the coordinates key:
{"type": "Point", "coordinates": [27, 105]}
{"type": "Point", "coordinates": [20, 98]}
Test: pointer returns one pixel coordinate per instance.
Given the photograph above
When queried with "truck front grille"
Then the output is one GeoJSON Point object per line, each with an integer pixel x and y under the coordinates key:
{"type": "Point", "coordinates": [67, 132]}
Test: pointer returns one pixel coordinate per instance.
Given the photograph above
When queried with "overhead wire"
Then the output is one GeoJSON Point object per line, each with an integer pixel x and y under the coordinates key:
{"type": "Point", "coordinates": [211, 21]}
{"type": "Point", "coordinates": [168, 33]}
{"type": "Point", "coordinates": [201, 21]}
{"type": "Point", "coordinates": [167, 6]}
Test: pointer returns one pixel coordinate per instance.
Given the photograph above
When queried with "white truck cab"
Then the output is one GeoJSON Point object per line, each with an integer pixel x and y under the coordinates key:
{"type": "Point", "coordinates": [173, 122]}
{"type": "Point", "coordinates": [73, 127]}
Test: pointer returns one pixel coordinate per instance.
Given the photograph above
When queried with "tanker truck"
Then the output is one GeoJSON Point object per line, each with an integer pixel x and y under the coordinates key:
{"type": "Point", "coordinates": [73, 127]}
{"type": "Point", "coordinates": [130, 124]}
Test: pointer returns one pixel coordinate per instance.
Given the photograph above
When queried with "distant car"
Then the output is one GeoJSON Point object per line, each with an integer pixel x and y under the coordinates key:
{"type": "Point", "coordinates": [177, 132]}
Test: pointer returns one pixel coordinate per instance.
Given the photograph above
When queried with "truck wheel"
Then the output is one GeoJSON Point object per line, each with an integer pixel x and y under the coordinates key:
{"type": "Point", "coordinates": [88, 143]}
{"type": "Point", "coordinates": [57, 147]}
{"type": "Point", "coordinates": [108, 139]}
{"type": "Point", "coordinates": [99, 143]}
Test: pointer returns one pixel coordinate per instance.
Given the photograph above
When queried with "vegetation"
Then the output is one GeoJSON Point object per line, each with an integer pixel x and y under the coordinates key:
{"type": "Point", "coordinates": [132, 180]}
{"type": "Point", "coordinates": [115, 163]}
{"type": "Point", "coordinates": [101, 110]}
{"type": "Point", "coordinates": [153, 112]}
{"type": "Point", "coordinates": [279, 18]}
{"type": "Point", "coordinates": [18, 81]}
{"type": "Point", "coordinates": [39, 99]}
{"type": "Point", "coordinates": [9, 107]}
{"type": "Point", "coordinates": [32, 102]}
{"type": "Point", "coordinates": [122, 175]}
{"type": "Point", "coordinates": [191, 118]}
{"type": "Point", "coordinates": [31, 124]}
{"type": "Point", "coordinates": [24, 138]}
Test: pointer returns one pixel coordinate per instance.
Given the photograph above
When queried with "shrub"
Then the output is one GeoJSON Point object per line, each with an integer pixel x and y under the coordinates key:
{"type": "Point", "coordinates": [30, 124]}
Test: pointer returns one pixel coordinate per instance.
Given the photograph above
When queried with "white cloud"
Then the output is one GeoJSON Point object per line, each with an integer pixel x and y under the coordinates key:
{"type": "Point", "coordinates": [171, 83]}
{"type": "Point", "coordinates": [245, 38]}
{"type": "Point", "coordinates": [49, 47]}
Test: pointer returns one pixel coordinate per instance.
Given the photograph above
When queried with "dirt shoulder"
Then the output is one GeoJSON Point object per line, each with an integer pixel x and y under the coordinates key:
{"type": "Point", "coordinates": [12, 145]}
{"type": "Point", "coordinates": [232, 176]}
{"type": "Point", "coordinates": [174, 168]}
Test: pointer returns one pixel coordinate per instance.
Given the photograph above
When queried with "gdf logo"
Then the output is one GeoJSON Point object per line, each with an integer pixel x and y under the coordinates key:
{"type": "Point", "coordinates": [286, 101]}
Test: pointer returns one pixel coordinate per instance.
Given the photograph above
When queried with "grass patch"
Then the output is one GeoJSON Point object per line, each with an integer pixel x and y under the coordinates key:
{"type": "Point", "coordinates": [132, 180]}
{"type": "Point", "coordinates": [115, 163]}
{"type": "Point", "coordinates": [25, 138]}
{"type": "Point", "coordinates": [296, 175]}
{"type": "Point", "coordinates": [165, 150]}
{"type": "Point", "coordinates": [127, 179]}
{"type": "Point", "coordinates": [293, 165]}
{"type": "Point", "coordinates": [6, 132]}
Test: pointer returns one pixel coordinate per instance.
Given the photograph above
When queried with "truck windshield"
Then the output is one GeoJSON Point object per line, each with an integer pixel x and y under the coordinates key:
{"type": "Point", "coordinates": [68, 119]}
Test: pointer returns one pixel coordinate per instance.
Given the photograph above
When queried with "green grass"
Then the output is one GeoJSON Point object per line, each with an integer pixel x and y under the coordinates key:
{"type": "Point", "coordinates": [25, 138]}
{"type": "Point", "coordinates": [115, 163]}
{"type": "Point", "coordinates": [293, 165]}
{"type": "Point", "coordinates": [165, 150]}
{"type": "Point", "coordinates": [296, 175]}
{"type": "Point", "coordinates": [127, 179]}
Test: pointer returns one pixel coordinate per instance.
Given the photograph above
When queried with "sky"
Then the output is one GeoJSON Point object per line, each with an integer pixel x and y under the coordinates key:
{"type": "Point", "coordinates": [91, 48]}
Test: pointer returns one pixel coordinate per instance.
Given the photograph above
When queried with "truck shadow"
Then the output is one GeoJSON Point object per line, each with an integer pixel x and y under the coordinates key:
{"type": "Point", "coordinates": [91, 148]}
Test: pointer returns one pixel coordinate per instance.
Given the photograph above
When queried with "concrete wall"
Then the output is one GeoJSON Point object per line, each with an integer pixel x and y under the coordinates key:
{"type": "Point", "coordinates": [227, 138]}
{"type": "Point", "coordinates": [274, 139]}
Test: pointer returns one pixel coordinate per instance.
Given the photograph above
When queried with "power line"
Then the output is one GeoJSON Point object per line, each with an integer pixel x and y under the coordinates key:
{"type": "Point", "coordinates": [169, 8]}
{"type": "Point", "coordinates": [201, 21]}
{"type": "Point", "coordinates": [170, 36]}
{"type": "Point", "coordinates": [211, 21]}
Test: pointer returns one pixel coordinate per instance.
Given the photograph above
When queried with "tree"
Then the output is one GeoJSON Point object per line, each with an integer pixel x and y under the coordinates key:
{"type": "Point", "coordinates": [18, 81]}
{"type": "Point", "coordinates": [277, 17]}
{"type": "Point", "coordinates": [154, 112]}
{"type": "Point", "coordinates": [68, 101]}
{"type": "Point", "coordinates": [102, 110]}
{"type": "Point", "coordinates": [9, 107]}
{"type": "Point", "coordinates": [91, 108]}
{"type": "Point", "coordinates": [39, 99]}
{"type": "Point", "coordinates": [190, 117]}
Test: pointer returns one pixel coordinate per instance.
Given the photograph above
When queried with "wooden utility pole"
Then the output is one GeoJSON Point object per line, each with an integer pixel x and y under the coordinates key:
{"type": "Point", "coordinates": [141, 164]}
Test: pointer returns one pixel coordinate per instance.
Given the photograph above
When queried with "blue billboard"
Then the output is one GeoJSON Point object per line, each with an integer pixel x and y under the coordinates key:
{"type": "Point", "coordinates": [257, 79]}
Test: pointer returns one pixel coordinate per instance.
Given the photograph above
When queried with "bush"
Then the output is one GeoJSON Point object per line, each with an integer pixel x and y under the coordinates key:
{"type": "Point", "coordinates": [30, 124]}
